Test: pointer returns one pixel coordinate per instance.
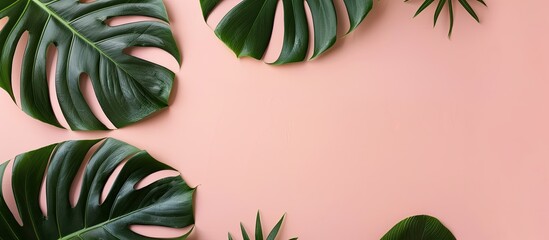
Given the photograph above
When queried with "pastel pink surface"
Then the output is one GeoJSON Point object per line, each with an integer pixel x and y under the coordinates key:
{"type": "Point", "coordinates": [396, 120]}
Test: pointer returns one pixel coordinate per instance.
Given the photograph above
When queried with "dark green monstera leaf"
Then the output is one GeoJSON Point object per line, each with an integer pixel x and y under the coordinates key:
{"type": "Point", "coordinates": [127, 88]}
{"type": "Point", "coordinates": [420, 227]}
{"type": "Point", "coordinates": [450, 3]}
{"type": "Point", "coordinates": [166, 202]}
{"type": "Point", "coordinates": [248, 27]}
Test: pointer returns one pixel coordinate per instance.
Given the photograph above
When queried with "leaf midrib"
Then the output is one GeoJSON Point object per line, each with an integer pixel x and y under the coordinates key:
{"type": "Point", "coordinates": [44, 7]}
{"type": "Point", "coordinates": [102, 224]}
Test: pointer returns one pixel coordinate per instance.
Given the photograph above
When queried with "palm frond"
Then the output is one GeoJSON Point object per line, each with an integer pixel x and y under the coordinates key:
{"type": "Point", "coordinates": [259, 230]}
{"type": "Point", "coordinates": [450, 6]}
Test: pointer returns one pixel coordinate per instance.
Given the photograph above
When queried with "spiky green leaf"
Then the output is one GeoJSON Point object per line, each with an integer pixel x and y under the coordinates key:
{"type": "Point", "coordinates": [259, 230]}
{"type": "Point", "coordinates": [274, 232]}
{"type": "Point", "coordinates": [449, 3]}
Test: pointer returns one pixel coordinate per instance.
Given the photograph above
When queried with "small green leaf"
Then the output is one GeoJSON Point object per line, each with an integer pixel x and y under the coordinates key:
{"type": "Point", "coordinates": [440, 6]}
{"type": "Point", "coordinates": [244, 233]}
{"type": "Point", "coordinates": [469, 9]}
{"type": "Point", "coordinates": [464, 3]}
{"type": "Point", "coordinates": [258, 228]}
{"type": "Point", "coordinates": [420, 227]}
{"type": "Point", "coordinates": [451, 14]}
{"type": "Point", "coordinates": [274, 232]}
{"type": "Point", "coordinates": [425, 4]}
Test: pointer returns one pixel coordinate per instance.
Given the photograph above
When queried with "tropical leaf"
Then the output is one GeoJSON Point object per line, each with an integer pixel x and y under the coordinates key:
{"type": "Point", "coordinates": [127, 88]}
{"type": "Point", "coordinates": [449, 3]}
{"type": "Point", "coordinates": [166, 202]}
{"type": "Point", "coordinates": [420, 227]}
{"type": "Point", "coordinates": [259, 230]}
{"type": "Point", "coordinates": [248, 27]}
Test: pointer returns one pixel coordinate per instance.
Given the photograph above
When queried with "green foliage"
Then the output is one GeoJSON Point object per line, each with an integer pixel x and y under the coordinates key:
{"type": "Point", "coordinates": [259, 230]}
{"type": "Point", "coordinates": [420, 227]}
{"type": "Point", "coordinates": [127, 88]}
{"type": "Point", "coordinates": [248, 27]}
{"type": "Point", "coordinates": [450, 5]}
{"type": "Point", "coordinates": [166, 202]}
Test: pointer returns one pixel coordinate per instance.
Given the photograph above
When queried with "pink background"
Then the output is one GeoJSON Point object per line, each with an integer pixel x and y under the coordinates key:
{"type": "Point", "coordinates": [396, 120]}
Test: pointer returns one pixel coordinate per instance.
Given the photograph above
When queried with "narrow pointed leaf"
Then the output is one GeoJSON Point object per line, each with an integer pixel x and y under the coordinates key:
{"type": "Point", "coordinates": [469, 9]}
{"type": "Point", "coordinates": [258, 228]}
{"type": "Point", "coordinates": [247, 28]}
{"type": "Point", "coordinates": [451, 14]}
{"type": "Point", "coordinates": [127, 88]}
{"type": "Point", "coordinates": [441, 3]}
{"type": "Point", "coordinates": [425, 4]}
{"type": "Point", "coordinates": [440, 6]}
{"type": "Point", "coordinates": [421, 228]}
{"type": "Point", "coordinates": [244, 233]}
{"type": "Point", "coordinates": [274, 232]}
{"type": "Point", "coordinates": [166, 202]}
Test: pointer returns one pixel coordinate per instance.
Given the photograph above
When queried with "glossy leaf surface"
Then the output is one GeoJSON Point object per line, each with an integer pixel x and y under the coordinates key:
{"type": "Point", "coordinates": [419, 228]}
{"type": "Point", "coordinates": [127, 88]}
{"type": "Point", "coordinates": [248, 27]}
{"type": "Point", "coordinates": [166, 202]}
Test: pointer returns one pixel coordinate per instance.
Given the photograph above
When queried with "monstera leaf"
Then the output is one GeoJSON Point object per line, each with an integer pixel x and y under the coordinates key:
{"type": "Point", "coordinates": [259, 230]}
{"type": "Point", "coordinates": [464, 3]}
{"type": "Point", "coordinates": [165, 202]}
{"type": "Point", "coordinates": [127, 88]}
{"type": "Point", "coordinates": [419, 228]}
{"type": "Point", "coordinates": [248, 27]}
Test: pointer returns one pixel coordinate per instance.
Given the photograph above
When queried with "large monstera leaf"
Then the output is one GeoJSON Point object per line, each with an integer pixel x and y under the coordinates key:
{"type": "Point", "coordinates": [166, 202]}
{"type": "Point", "coordinates": [450, 4]}
{"type": "Point", "coordinates": [127, 88]}
{"type": "Point", "coordinates": [248, 27]}
{"type": "Point", "coordinates": [421, 227]}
